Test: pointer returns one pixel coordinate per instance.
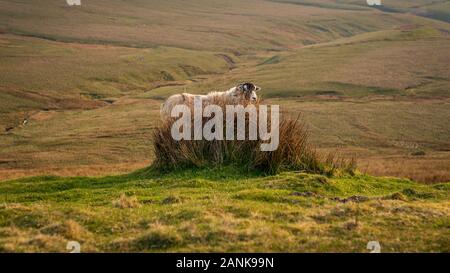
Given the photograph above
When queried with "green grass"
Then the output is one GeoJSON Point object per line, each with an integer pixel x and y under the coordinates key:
{"type": "Point", "coordinates": [223, 209]}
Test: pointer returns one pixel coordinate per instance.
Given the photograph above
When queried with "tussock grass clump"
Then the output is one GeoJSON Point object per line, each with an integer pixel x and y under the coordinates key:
{"type": "Point", "coordinates": [69, 229]}
{"type": "Point", "coordinates": [126, 202]}
{"type": "Point", "coordinates": [293, 153]}
{"type": "Point", "coordinates": [159, 236]}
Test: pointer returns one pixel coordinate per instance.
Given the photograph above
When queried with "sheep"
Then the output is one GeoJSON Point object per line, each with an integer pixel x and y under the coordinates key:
{"type": "Point", "coordinates": [241, 93]}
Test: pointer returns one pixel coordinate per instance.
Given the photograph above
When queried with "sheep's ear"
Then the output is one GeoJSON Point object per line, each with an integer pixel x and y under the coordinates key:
{"type": "Point", "coordinates": [240, 87]}
{"type": "Point", "coordinates": [257, 88]}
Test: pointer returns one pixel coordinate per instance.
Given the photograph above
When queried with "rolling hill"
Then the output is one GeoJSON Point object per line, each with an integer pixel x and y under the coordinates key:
{"type": "Point", "coordinates": [91, 78]}
{"type": "Point", "coordinates": [436, 9]}
{"type": "Point", "coordinates": [80, 93]}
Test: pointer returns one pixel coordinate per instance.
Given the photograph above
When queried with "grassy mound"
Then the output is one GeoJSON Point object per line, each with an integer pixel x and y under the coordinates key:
{"type": "Point", "coordinates": [223, 209]}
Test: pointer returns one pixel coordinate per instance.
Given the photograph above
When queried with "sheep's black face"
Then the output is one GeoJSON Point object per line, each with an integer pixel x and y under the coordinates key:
{"type": "Point", "coordinates": [248, 87]}
{"type": "Point", "coordinates": [249, 91]}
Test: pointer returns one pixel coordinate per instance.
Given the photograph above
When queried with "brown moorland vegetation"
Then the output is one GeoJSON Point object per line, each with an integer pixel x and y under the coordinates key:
{"type": "Point", "coordinates": [369, 83]}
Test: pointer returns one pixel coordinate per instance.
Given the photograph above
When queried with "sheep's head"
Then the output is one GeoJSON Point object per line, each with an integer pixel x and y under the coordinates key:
{"type": "Point", "coordinates": [247, 91]}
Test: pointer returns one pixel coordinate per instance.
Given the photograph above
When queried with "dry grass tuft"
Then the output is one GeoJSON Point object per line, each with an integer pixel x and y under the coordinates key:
{"type": "Point", "coordinates": [294, 151]}
{"type": "Point", "coordinates": [68, 229]}
{"type": "Point", "coordinates": [126, 202]}
{"type": "Point", "coordinates": [158, 237]}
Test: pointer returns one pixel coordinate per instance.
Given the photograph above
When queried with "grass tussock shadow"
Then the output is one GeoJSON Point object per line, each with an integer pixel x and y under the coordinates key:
{"type": "Point", "coordinates": [294, 152]}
